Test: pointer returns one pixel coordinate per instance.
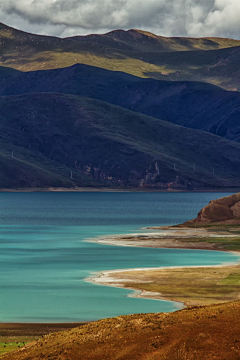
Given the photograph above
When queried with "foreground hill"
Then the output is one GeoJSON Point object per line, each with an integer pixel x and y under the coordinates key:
{"type": "Point", "coordinates": [115, 146]}
{"type": "Point", "coordinates": [199, 333]}
{"type": "Point", "coordinates": [190, 104]}
{"type": "Point", "coordinates": [136, 52]}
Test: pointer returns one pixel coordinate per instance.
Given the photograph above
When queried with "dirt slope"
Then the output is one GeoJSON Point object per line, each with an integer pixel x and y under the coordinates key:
{"type": "Point", "coordinates": [196, 334]}
{"type": "Point", "coordinates": [225, 210]}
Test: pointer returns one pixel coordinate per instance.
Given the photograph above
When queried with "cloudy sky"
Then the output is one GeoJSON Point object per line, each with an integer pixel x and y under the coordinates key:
{"type": "Point", "coordinates": [64, 18]}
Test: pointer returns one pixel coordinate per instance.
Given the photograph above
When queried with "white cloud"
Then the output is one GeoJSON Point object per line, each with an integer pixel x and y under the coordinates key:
{"type": "Point", "coordinates": [164, 17]}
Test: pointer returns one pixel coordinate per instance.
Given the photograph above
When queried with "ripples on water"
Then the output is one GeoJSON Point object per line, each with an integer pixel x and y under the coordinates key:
{"type": "Point", "coordinates": [44, 258]}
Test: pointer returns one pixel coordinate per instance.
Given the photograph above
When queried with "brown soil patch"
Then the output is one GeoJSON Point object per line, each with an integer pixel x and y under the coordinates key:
{"type": "Point", "coordinates": [225, 210]}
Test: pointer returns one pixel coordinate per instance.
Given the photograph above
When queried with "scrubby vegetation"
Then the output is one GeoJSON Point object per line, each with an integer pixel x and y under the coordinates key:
{"type": "Point", "coordinates": [203, 333]}
{"type": "Point", "coordinates": [192, 286]}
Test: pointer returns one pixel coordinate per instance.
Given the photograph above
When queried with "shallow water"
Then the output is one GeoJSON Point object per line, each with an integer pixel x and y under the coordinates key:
{"type": "Point", "coordinates": [44, 258]}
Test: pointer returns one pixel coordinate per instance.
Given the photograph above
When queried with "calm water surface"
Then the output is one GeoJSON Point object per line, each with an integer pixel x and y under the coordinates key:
{"type": "Point", "coordinates": [44, 258]}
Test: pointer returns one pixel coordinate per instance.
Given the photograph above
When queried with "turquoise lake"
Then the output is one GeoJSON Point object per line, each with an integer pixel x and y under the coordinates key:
{"type": "Point", "coordinates": [44, 258]}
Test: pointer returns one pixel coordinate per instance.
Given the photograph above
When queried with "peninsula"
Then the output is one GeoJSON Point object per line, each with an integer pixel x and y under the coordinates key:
{"type": "Point", "coordinates": [217, 227]}
{"type": "Point", "coordinates": [192, 333]}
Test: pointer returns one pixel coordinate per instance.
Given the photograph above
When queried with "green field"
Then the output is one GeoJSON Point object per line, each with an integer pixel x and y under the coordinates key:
{"type": "Point", "coordinates": [223, 243]}
{"type": "Point", "coordinates": [8, 344]}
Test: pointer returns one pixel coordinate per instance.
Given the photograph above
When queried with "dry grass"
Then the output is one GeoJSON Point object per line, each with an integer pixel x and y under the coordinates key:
{"type": "Point", "coordinates": [199, 333]}
{"type": "Point", "coordinates": [192, 286]}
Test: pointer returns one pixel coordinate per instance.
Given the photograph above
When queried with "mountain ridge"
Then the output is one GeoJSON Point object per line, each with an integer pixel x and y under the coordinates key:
{"type": "Point", "coordinates": [115, 146]}
{"type": "Point", "coordinates": [130, 51]}
{"type": "Point", "coordinates": [185, 42]}
{"type": "Point", "coordinates": [197, 105]}
{"type": "Point", "coordinates": [43, 111]}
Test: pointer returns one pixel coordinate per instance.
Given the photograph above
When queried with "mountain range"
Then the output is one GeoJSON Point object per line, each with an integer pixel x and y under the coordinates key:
{"type": "Point", "coordinates": [127, 109]}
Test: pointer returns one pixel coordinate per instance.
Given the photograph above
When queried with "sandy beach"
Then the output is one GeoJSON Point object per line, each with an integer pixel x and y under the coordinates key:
{"type": "Point", "coordinates": [167, 238]}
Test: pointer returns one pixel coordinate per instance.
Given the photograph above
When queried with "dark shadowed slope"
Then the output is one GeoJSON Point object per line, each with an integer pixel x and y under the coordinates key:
{"type": "Point", "coordinates": [117, 146]}
{"type": "Point", "coordinates": [192, 104]}
{"type": "Point", "coordinates": [6, 72]}
{"type": "Point", "coordinates": [22, 167]}
{"type": "Point", "coordinates": [105, 144]}
{"type": "Point", "coordinates": [19, 174]}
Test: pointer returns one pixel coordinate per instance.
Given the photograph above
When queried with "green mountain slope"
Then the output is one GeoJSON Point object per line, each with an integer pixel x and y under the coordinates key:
{"type": "Point", "coordinates": [143, 54]}
{"type": "Point", "coordinates": [112, 145]}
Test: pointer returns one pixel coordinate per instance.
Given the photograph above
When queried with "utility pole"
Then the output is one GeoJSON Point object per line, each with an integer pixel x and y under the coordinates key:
{"type": "Point", "coordinates": [71, 176]}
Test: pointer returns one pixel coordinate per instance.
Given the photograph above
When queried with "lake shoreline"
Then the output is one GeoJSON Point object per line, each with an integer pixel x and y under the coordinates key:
{"type": "Point", "coordinates": [99, 189]}
{"type": "Point", "coordinates": [128, 210]}
{"type": "Point", "coordinates": [168, 237]}
{"type": "Point", "coordinates": [106, 278]}
{"type": "Point", "coordinates": [163, 240]}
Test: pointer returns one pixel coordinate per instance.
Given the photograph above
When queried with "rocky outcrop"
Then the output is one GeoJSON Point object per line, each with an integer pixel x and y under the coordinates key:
{"type": "Point", "coordinates": [225, 210]}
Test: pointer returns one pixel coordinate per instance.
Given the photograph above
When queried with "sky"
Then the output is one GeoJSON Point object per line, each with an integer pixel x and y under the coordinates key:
{"type": "Point", "coordinates": [63, 18]}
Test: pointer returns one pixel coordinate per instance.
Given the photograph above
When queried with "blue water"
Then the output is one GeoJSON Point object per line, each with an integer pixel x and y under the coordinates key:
{"type": "Point", "coordinates": [44, 258]}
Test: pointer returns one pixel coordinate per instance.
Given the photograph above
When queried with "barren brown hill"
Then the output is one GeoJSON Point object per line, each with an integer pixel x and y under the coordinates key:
{"type": "Point", "coordinates": [201, 333]}
{"type": "Point", "coordinates": [225, 210]}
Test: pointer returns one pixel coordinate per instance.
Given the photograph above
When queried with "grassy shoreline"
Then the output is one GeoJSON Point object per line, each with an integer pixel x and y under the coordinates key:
{"type": "Point", "coordinates": [28, 337]}
{"type": "Point", "coordinates": [190, 285]}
